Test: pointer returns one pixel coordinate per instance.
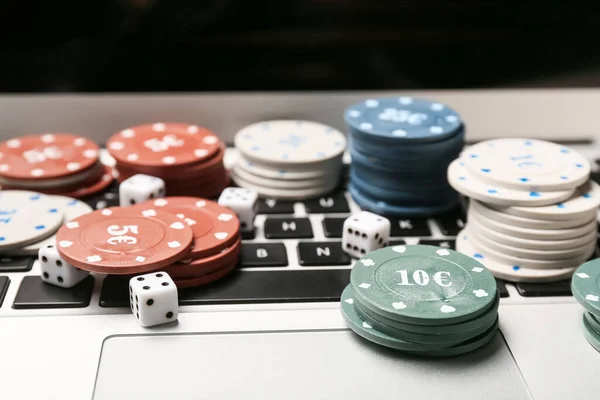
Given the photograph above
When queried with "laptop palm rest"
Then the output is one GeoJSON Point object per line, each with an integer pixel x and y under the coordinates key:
{"type": "Point", "coordinates": [329, 364]}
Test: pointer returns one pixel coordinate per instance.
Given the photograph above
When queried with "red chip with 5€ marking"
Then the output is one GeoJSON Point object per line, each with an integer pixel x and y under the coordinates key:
{"type": "Point", "coordinates": [46, 156]}
{"type": "Point", "coordinates": [124, 240]}
{"type": "Point", "coordinates": [163, 144]}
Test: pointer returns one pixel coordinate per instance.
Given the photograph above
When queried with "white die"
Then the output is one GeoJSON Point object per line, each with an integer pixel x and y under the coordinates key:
{"type": "Point", "coordinates": [56, 271]}
{"type": "Point", "coordinates": [365, 232]}
{"type": "Point", "coordinates": [153, 299]}
{"type": "Point", "coordinates": [243, 202]}
{"type": "Point", "coordinates": [140, 188]}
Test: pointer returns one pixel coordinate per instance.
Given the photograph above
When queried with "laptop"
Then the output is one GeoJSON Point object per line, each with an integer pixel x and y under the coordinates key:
{"type": "Point", "coordinates": [273, 329]}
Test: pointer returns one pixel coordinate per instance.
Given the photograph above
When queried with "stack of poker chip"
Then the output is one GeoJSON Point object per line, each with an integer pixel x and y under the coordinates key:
{"type": "Point", "coordinates": [400, 149]}
{"type": "Point", "coordinates": [289, 159]}
{"type": "Point", "coordinates": [532, 210]}
{"type": "Point", "coordinates": [422, 300]}
{"type": "Point", "coordinates": [53, 163]}
{"type": "Point", "coordinates": [30, 220]}
{"type": "Point", "coordinates": [187, 157]}
{"type": "Point", "coordinates": [586, 290]}
{"type": "Point", "coordinates": [196, 241]}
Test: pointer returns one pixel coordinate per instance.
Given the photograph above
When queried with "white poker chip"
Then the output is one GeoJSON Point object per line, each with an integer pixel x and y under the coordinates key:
{"type": "Point", "coordinates": [542, 245]}
{"type": "Point", "coordinates": [293, 194]}
{"type": "Point", "coordinates": [527, 233]}
{"type": "Point", "coordinates": [555, 255]}
{"type": "Point", "coordinates": [284, 183]}
{"type": "Point", "coordinates": [526, 262]}
{"type": "Point", "coordinates": [318, 170]}
{"type": "Point", "coordinates": [585, 201]}
{"type": "Point", "coordinates": [70, 209]}
{"type": "Point", "coordinates": [533, 223]}
{"type": "Point", "coordinates": [513, 273]}
{"type": "Point", "coordinates": [527, 164]}
{"type": "Point", "coordinates": [463, 181]}
{"type": "Point", "coordinates": [285, 142]}
{"type": "Point", "coordinates": [26, 217]}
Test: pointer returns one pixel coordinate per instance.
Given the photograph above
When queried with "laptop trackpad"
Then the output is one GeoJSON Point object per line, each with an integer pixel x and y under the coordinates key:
{"type": "Point", "coordinates": [295, 365]}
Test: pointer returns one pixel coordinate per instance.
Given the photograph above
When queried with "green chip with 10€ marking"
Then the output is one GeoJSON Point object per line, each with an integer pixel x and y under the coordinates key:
{"type": "Point", "coordinates": [424, 285]}
{"type": "Point", "coordinates": [585, 286]}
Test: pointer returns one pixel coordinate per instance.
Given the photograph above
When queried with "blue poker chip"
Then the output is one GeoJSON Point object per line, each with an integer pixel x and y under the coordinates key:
{"type": "Point", "coordinates": [430, 196]}
{"type": "Point", "coordinates": [425, 169]}
{"type": "Point", "coordinates": [389, 209]}
{"type": "Point", "coordinates": [403, 119]}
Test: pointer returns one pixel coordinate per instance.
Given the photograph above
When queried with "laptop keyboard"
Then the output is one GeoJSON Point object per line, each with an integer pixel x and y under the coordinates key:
{"type": "Point", "coordinates": [293, 256]}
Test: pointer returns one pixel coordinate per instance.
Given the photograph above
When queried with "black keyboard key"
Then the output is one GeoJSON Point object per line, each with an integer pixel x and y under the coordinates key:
{"type": "Point", "coordinates": [448, 244]}
{"type": "Point", "coordinates": [272, 206]}
{"type": "Point", "coordinates": [333, 227]}
{"type": "Point", "coordinates": [263, 255]}
{"type": "Point", "coordinates": [399, 242]}
{"type": "Point", "coordinates": [450, 224]}
{"type": "Point", "coordinates": [595, 176]}
{"type": "Point", "coordinates": [312, 254]}
{"type": "Point", "coordinates": [410, 227]}
{"type": "Point", "coordinates": [277, 286]}
{"type": "Point", "coordinates": [550, 289]}
{"type": "Point", "coordinates": [288, 228]}
{"type": "Point", "coordinates": [114, 292]}
{"type": "Point", "coordinates": [4, 282]}
{"type": "Point", "coordinates": [332, 204]}
{"type": "Point", "coordinates": [16, 264]}
{"type": "Point", "coordinates": [502, 288]}
{"type": "Point", "coordinates": [35, 293]}
{"type": "Point", "coordinates": [249, 235]}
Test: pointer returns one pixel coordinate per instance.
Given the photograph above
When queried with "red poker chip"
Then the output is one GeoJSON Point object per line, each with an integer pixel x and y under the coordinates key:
{"type": "Point", "coordinates": [94, 187]}
{"type": "Point", "coordinates": [67, 183]}
{"type": "Point", "coordinates": [190, 268]}
{"type": "Point", "coordinates": [178, 172]}
{"type": "Point", "coordinates": [163, 144]}
{"type": "Point", "coordinates": [206, 279]}
{"type": "Point", "coordinates": [46, 156]}
{"type": "Point", "coordinates": [124, 240]}
{"type": "Point", "coordinates": [215, 228]}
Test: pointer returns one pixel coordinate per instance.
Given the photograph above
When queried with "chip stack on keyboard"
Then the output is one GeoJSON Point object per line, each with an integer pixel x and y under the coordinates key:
{"type": "Point", "coordinates": [289, 159]}
{"type": "Point", "coordinates": [400, 149]}
{"type": "Point", "coordinates": [532, 214]}
{"type": "Point", "coordinates": [423, 300]}
{"type": "Point", "coordinates": [194, 240]}
{"type": "Point", "coordinates": [53, 163]}
{"type": "Point", "coordinates": [187, 157]}
{"type": "Point", "coordinates": [586, 290]}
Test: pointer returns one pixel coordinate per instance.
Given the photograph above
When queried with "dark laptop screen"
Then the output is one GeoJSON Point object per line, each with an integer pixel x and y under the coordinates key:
{"type": "Point", "coordinates": [249, 45]}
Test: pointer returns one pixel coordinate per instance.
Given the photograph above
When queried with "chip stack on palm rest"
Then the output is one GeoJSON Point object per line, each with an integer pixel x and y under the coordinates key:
{"type": "Point", "coordinates": [586, 290]}
{"type": "Point", "coordinates": [422, 300]}
{"type": "Point", "coordinates": [532, 211]}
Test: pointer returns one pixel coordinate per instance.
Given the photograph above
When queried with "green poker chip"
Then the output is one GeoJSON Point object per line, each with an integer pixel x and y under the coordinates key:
{"type": "Point", "coordinates": [441, 334]}
{"type": "Point", "coordinates": [368, 332]}
{"type": "Point", "coordinates": [592, 336]}
{"type": "Point", "coordinates": [585, 286]}
{"type": "Point", "coordinates": [362, 328]}
{"type": "Point", "coordinates": [423, 285]}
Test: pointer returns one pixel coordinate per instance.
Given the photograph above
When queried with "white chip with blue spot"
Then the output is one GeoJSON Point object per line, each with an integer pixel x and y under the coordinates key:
{"type": "Point", "coordinates": [403, 118]}
{"type": "Point", "coordinates": [286, 142]}
{"type": "Point", "coordinates": [513, 273]}
{"type": "Point", "coordinates": [463, 181]}
{"type": "Point", "coordinates": [527, 164]}
{"type": "Point", "coordinates": [585, 201]}
{"type": "Point", "coordinates": [70, 209]}
{"type": "Point", "coordinates": [26, 217]}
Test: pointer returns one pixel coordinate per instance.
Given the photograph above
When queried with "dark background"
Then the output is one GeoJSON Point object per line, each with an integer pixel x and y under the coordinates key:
{"type": "Point", "coordinates": [248, 45]}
